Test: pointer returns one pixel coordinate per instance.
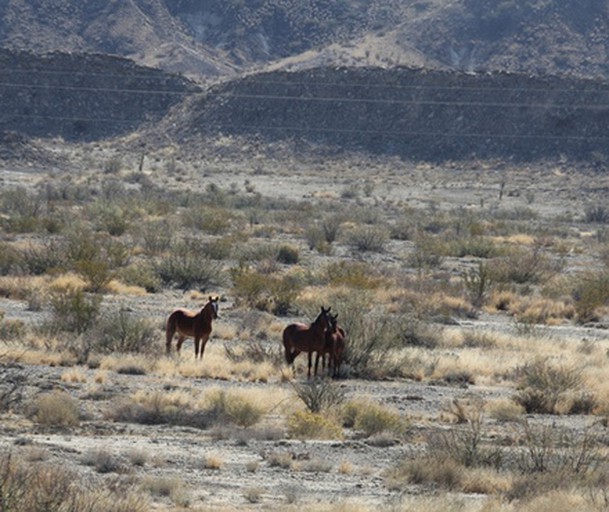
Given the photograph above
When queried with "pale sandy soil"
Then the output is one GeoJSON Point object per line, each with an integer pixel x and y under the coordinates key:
{"type": "Point", "coordinates": [353, 469]}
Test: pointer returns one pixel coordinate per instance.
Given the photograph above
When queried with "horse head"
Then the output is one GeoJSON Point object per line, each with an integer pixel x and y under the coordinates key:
{"type": "Point", "coordinates": [213, 304]}
{"type": "Point", "coordinates": [323, 319]}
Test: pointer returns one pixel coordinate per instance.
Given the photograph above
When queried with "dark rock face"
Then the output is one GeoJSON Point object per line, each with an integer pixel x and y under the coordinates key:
{"type": "Point", "coordinates": [82, 97]}
{"type": "Point", "coordinates": [414, 113]}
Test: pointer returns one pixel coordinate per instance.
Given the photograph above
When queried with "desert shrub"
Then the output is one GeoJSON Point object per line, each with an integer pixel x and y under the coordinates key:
{"type": "Point", "coordinates": [11, 260]}
{"type": "Point", "coordinates": [109, 216]}
{"type": "Point", "coordinates": [368, 238]}
{"type": "Point", "coordinates": [13, 379]}
{"type": "Point", "coordinates": [429, 252]}
{"type": "Point", "coordinates": [478, 282]}
{"type": "Point", "coordinates": [444, 473]}
{"type": "Point", "coordinates": [288, 255]}
{"type": "Point", "coordinates": [590, 291]}
{"type": "Point", "coordinates": [356, 274]}
{"type": "Point", "coordinates": [120, 331]}
{"type": "Point", "coordinates": [214, 221]}
{"type": "Point", "coordinates": [219, 249]}
{"type": "Point", "coordinates": [524, 266]}
{"type": "Point", "coordinates": [186, 266]}
{"type": "Point", "coordinates": [233, 407]}
{"type": "Point", "coordinates": [22, 211]}
{"type": "Point", "coordinates": [255, 351]}
{"type": "Point", "coordinates": [73, 310]}
{"type": "Point", "coordinates": [505, 410]}
{"type": "Point", "coordinates": [266, 292]}
{"type": "Point", "coordinates": [113, 164]}
{"type": "Point", "coordinates": [140, 274]}
{"type": "Point", "coordinates": [94, 256]}
{"type": "Point", "coordinates": [477, 247]}
{"type": "Point", "coordinates": [597, 214]}
{"type": "Point", "coordinates": [464, 442]}
{"type": "Point", "coordinates": [102, 460]}
{"type": "Point", "coordinates": [319, 394]}
{"type": "Point", "coordinates": [11, 329]}
{"type": "Point", "coordinates": [168, 487]}
{"type": "Point", "coordinates": [45, 487]}
{"type": "Point", "coordinates": [41, 258]}
{"type": "Point", "coordinates": [310, 425]}
{"type": "Point", "coordinates": [55, 409]}
{"type": "Point", "coordinates": [548, 449]}
{"type": "Point", "coordinates": [542, 385]}
{"type": "Point", "coordinates": [157, 237]}
{"type": "Point", "coordinates": [372, 418]}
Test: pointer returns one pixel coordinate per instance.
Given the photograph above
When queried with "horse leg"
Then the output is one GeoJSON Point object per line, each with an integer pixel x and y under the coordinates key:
{"type": "Point", "coordinates": [310, 361]}
{"type": "Point", "coordinates": [203, 343]}
{"type": "Point", "coordinates": [168, 338]}
{"type": "Point", "coordinates": [181, 339]}
{"type": "Point", "coordinates": [197, 343]}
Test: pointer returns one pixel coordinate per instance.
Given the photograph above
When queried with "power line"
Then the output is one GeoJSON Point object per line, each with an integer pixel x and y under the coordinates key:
{"type": "Point", "coordinates": [95, 89]}
{"type": "Point", "coordinates": [409, 133]}
{"type": "Point", "coordinates": [583, 106]}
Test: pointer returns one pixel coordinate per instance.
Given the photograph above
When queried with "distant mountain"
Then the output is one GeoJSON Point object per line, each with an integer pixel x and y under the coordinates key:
{"type": "Point", "coordinates": [222, 37]}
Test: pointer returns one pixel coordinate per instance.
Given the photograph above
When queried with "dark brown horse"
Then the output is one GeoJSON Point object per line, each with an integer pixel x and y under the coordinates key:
{"type": "Point", "coordinates": [191, 325]}
{"type": "Point", "coordinates": [300, 337]}
{"type": "Point", "coordinates": [334, 347]}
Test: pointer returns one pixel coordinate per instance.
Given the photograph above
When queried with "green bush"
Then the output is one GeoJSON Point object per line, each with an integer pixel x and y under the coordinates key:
{"type": "Point", "coordinates": [542, 386]}
{"type": "Point", "coordinates": [264, 292]}
{"type": "Point", "coordinates": [355, 274]}
{"type": "Point", "coordinates": [120, 331]}
{"type": "Point", "coordinates": [319, 394]}
{"type": "Point", "coordinates": [368, 238]}
{"type": "Point", "coordinates": [186, 266]}
{"type": "Point", "coordinates": [214, 221]}
{"type": "Point", "coordinates": [288, 255]}
{"type": "Point", "coordinates": [22, 211]}
{"type": "Point", "coordinates": [11, 259]}
{"type": "Point", "coordinates": [590, 291]}
{"type": "Point", "coordinates": [73, 310]}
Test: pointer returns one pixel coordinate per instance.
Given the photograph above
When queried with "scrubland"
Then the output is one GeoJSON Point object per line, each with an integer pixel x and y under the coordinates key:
{"type": "Point", "coordinates": [475, 298]}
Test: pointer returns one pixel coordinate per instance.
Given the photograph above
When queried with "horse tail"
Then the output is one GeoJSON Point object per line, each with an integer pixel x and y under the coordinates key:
{"type": "Point", "coordinates": [289, 355]}
{"type": "Point", "coordinates": [170, 330]}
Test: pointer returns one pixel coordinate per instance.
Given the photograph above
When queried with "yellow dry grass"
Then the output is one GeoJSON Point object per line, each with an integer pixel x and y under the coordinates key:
{"type": "Point", "coordinates": [118, 288]}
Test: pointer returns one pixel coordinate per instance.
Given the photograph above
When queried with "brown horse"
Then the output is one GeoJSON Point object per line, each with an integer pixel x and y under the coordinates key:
{"type": "Point", "coordinates": [300, 337]}
{"type": "Point", "coordinates": [334, 346]}
{"type": "Point", "coordinates": [191, 325]}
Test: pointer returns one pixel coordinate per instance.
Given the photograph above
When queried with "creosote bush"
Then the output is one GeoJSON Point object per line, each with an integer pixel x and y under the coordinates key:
{"type": "Point", "coordinates": [55, 409]}
{"type": "Point", "coordinates": [49, 487]}
{"type": "Point", "coordinates": [544, 387]}
{"type": "Point", "coordinates": [311, 425]}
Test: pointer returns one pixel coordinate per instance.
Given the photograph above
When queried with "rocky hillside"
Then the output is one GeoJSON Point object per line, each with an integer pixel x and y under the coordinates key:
{"type": "Point", "coordinates": [82, 97]}
{"type": "Point", "coordinates": [431, 115]}
{"type": "Point", "coordinates": [220, 37]}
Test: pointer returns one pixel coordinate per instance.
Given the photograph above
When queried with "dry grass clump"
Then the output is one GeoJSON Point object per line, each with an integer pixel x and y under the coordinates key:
{"type": "Point", "coordinates": [216, 406]}
{"type": "Point", "coordinates": [47, 487]}
{"type": "Point", "coordinates": [167, 487]}
{"type": "Point", "coordinates": [547, 388]}
{"type": "Point", "coordinates": [310, 425]}
{"type": "Point", "coordinates": [56, 409]}
{"type": "Point", "coordinates": [505, 410]}
{"type": "Point", "coordinates": [371, 418]}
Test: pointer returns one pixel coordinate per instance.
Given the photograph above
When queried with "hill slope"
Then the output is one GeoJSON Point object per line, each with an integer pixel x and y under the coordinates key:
{"type": "Point", "coordinates": [431, 115]}
{"type": "Point", "coordinates": [219, 37]}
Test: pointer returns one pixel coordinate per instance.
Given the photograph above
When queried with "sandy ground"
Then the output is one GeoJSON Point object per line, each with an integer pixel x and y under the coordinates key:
{"type": "Point", "coordinates": [322, 471]}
